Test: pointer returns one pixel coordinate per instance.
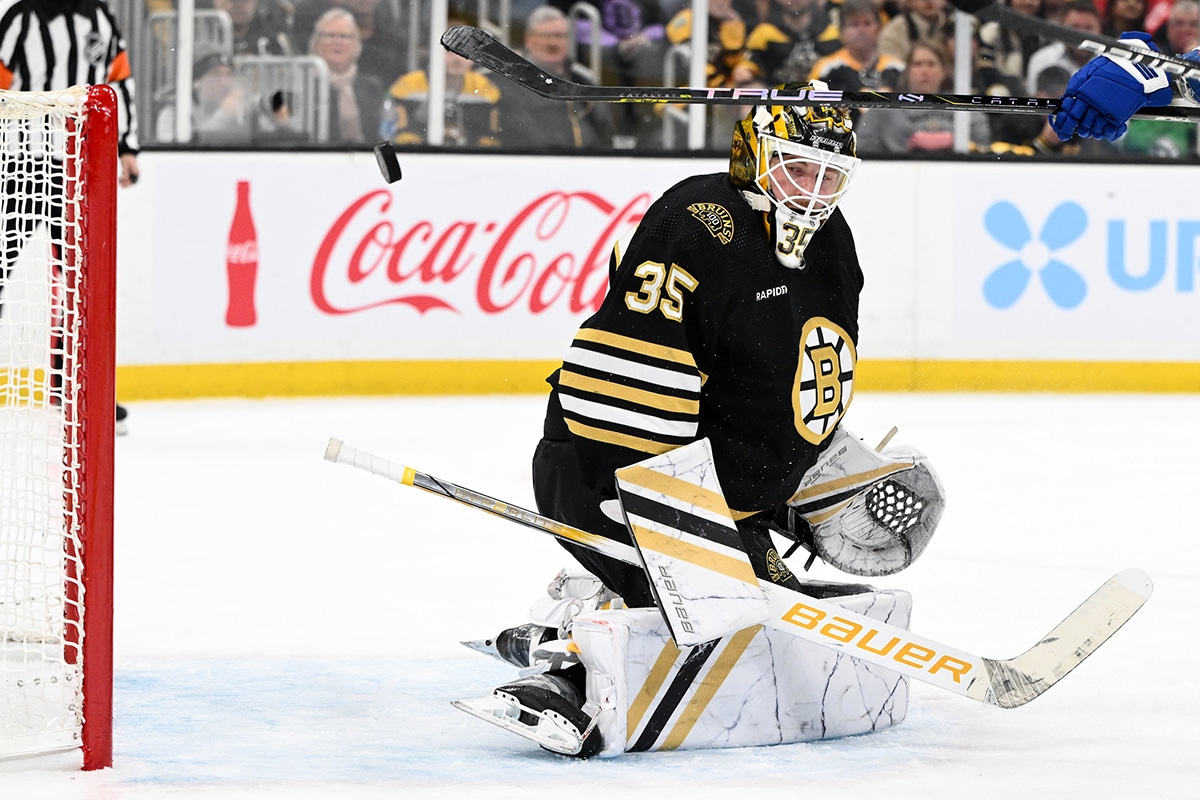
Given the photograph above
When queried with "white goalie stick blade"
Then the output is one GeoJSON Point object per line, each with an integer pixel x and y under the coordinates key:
{"type": "Point", "coordinates": [550, 730]}
{"type": "Point", "coordinates": [690, 545]}
{"type": "Point", "coordinates": [1006, 683]}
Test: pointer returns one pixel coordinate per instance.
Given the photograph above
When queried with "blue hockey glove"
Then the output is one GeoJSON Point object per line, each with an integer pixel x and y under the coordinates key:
{"type": "Point", "coordinates": [1103, 95]}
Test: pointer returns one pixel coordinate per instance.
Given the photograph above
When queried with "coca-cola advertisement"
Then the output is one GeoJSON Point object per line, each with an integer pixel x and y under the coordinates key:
{"type": "Point", "coordinates": [460, 260]}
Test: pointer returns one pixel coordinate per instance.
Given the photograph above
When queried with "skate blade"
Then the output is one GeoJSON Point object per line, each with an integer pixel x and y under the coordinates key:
{"type": "Point", "coordinates": [485, 646]}
{"type": "Point", "coordinates": [551, 731]}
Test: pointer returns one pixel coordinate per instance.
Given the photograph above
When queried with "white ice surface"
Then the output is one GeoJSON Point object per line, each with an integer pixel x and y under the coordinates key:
{"type": "Point", "coordinates": [288, 628]}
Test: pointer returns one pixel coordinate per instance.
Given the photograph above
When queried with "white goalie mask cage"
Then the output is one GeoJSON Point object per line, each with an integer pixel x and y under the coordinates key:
{"type": "Point", "coordinates": [795, 163]}
{"type": "Point", "coordinates": [803, 181]}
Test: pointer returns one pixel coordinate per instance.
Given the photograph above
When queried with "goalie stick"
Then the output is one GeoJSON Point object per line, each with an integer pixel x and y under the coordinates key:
{"type": "Point", "coordinates": [1098, 44]}
{"type": "Point", "coordinates": [484, 49]}
{"type": "Point", "coordinates": [1006, 683]}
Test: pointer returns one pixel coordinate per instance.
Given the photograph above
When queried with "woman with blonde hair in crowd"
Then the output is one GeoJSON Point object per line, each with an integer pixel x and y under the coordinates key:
{"type": "Point", "coordinates": [902, 130]}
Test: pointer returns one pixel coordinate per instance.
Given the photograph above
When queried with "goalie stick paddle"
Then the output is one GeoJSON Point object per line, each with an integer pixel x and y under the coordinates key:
{"type": "Point", "coordinates": [990, 11]}
{"type": "Point", "coordinates": [1006, 683]}
{"type": "Point", "coordinates": [484, 49]}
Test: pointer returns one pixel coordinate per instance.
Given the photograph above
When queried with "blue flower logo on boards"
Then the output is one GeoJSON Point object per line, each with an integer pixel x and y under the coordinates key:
{"type": "Point", "coordinates": [1007, 225]}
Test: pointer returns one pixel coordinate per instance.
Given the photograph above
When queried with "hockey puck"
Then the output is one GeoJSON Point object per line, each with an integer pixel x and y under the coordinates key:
{"type": "Point", "coordinates": [389, 165]}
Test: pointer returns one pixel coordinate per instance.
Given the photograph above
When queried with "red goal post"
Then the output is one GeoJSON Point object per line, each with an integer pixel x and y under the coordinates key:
{"type": "Point", "coordinates": [58, 164]}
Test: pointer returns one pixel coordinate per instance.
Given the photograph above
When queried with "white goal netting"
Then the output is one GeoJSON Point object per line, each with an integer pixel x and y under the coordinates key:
{"type": "Point", "coordinates": [43, 384]}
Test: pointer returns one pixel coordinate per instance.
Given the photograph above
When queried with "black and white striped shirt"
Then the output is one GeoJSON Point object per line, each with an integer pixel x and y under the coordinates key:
{"type": "Point", "coordinates": [48, 45]}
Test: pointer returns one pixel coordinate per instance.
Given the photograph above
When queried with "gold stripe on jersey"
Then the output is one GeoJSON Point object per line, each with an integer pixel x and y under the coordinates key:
{"type": "Point", "coordinates": [636, 347]}
{"type": "Point", "coordinates": [663, 402]}
{"type": "Point", "coordinates": [618, 439]}
{"type": "Point", "coordinates": [712, 681]}
{"type": "Point", "coordinates": [626, 392]}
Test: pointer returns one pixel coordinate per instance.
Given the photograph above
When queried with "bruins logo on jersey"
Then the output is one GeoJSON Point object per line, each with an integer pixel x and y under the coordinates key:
{"type": "Point", "coordinates": [824, 379]}
{"type": "Point", "coordinates": [716, 218]}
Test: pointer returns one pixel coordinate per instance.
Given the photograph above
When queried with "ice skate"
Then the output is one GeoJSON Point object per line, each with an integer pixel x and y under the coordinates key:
{"type": "Point", "coordinates": [534, 648]}
{"type": "Point", "coordinates": [544, 708]}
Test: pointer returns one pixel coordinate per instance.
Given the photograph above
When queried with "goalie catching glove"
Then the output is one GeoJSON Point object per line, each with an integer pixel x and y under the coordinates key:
{"type": "Point", "coordinates": [869, 513]}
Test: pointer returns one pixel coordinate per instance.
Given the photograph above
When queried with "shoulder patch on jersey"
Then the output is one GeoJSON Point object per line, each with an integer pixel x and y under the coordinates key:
{"type": "Point", "coordinates": [94, 50]}
{"type": "Point", "coordinates": [716, 218]}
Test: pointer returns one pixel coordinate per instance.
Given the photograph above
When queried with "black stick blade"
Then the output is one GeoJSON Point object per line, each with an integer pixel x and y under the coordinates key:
{"type": "Point", "coordinates": [465, 40]}
{"type": "Point", "coordinates": [486, 51]}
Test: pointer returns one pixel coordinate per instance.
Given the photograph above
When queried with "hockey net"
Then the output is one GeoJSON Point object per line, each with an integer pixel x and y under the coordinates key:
{"type": "Point", "coordinates": [58, 162]}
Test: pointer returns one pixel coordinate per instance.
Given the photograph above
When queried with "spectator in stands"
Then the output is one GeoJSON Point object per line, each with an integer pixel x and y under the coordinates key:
{"type": "Point", "coordinates": [1009, 50]}
{"type": "Point", "coordinates": [260, 27]}
{"type": "Point", "coordinates": [384, 48]}
{"type": "Point", "coordinates": [472, 116]}
{"type": "Point", "coordinates": [221, 110]}
{"type": "Point", "coordinates": [784, 48]}
{"type": "Point", "coordinates": [631, 40]}
{"type": "Point", "coordinates": [924, 21]}
{"type": "Point", "coordinates": [1181, 33]}
{"type": "Point", "coordinates": [356, 98]}
{"type": "Point", "coordinates": [902, 130]}
{"type": "Point", "coordinates": [1124, 15]}
{"type": "Point", "coordinates": [726, 39]}
{"type": "Point", "coordinates": [859, 65]}
{"type": "Point", "coordinates": [987, 79]}
{"type": "Point", "coordinates": [532, 121]}
{"type": "Point", "coordinates": [1079, 14]}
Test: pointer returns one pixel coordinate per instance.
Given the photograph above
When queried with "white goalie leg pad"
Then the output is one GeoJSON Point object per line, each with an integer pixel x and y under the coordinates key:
{"type": "Point", "coordinates": [754, 687]}
{"type": "Point", "coordinates": [872, 513]}
{"type": "Point", "coordinates": [570, 594]}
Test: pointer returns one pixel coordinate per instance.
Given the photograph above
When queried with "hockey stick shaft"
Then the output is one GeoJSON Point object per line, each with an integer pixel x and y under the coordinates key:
{"type": "Point", "coordinates": [1098, 44]}
{"type": "Point", "coordinates": [341, 453]}
{"type": "Point", "coordinates": [1004, 683]}
{"type": "Point", "coordinates": [484, 49]}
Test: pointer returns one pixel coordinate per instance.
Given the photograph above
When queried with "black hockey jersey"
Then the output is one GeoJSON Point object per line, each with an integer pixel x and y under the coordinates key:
{"type": "Point", "coordinates": [704, 334]}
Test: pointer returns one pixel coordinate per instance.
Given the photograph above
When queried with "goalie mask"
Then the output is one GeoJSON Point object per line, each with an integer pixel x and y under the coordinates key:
{"type": "Point", "coordinates": [794, 162]}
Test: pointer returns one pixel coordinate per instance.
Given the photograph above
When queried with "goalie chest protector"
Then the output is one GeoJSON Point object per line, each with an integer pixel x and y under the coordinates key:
{"type": "Point", "coordinates": [754, 687]}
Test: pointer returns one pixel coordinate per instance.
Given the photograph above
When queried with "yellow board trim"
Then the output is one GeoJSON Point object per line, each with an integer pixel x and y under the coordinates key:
{"type": "Point", "coordinates": [368, 378]}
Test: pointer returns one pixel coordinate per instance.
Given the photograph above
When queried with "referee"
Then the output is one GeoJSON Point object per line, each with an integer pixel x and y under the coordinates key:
{"type": "Point", "coordinates": [49, 45]}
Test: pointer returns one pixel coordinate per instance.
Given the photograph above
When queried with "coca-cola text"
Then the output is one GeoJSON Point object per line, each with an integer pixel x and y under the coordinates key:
{"type": "Point", "coordinates": [532, 260]}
